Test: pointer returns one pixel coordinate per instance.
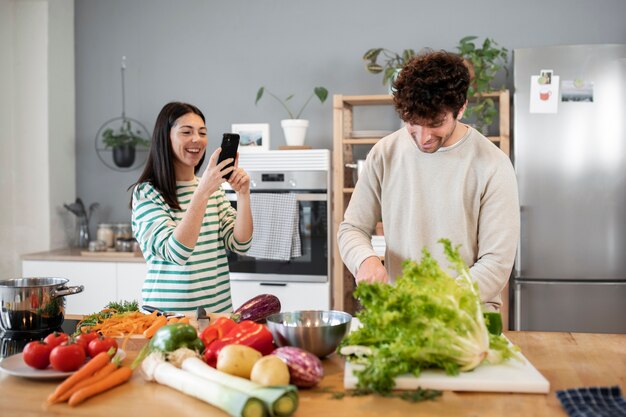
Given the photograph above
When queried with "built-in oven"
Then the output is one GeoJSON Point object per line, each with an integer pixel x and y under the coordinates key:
{"type": "Point", "coordinates": [304, 281]}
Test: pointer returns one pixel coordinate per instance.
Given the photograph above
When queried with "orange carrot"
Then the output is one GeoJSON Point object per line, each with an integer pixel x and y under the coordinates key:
{"type": "Point", "coordinates": [118, 377]}
{"type": "Point", "coordinates": [95, 364]}
{"type": "Point", "coordinates": [172, 320]}
{"type": "Point", "coordinates": [184, 320]}
{"type": "Point", "coordinates": [158, 323]}
{"type": "Point", "coordinates": [101, 374]}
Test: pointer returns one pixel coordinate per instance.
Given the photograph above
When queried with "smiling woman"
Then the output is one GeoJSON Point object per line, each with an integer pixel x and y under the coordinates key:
{"type": "Point", "coordinates": [185, 223]}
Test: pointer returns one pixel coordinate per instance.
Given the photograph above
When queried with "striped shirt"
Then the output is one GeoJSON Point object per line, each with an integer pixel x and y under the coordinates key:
{"type": "Point", "coordinates": [180, 278]}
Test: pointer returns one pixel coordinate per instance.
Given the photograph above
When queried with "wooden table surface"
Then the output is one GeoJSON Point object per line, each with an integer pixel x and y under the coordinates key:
{"type": "Point", "coordinates": [567, 360]}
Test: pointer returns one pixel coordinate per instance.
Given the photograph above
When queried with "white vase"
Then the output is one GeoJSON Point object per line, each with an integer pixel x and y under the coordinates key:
{"type": "Point", "coordinates": [295, 131]}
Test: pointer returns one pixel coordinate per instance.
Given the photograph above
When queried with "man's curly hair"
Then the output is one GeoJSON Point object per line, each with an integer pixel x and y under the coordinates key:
{"type": "Point", "coordinates": [431, 84]}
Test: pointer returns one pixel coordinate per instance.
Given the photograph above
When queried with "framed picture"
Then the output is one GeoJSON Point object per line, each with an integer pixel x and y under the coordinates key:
{"type": "Point", "coordinates": [253, 137]}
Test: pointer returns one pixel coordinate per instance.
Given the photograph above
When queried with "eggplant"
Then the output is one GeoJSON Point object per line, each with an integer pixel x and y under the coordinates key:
{"type": "Point", "coordinates": [257, 309]}
{"type": "Point", "coordinates": [305, 369]}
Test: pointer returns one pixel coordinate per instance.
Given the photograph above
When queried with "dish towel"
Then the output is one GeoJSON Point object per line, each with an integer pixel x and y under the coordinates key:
{"type": "Point", "coordinates": [276, 232]}
{"type": "Point", "coordinates": [593, 402]}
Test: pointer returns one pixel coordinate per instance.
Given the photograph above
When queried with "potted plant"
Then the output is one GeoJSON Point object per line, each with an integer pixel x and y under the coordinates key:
{"type": "Point", "coordinates": [484, 63]}
{"type": "Point", "coordinates": [123, 142]}
{"type": "Point", "coordinates": [391, 63]}
{"type": "Point", "coordinates": [294, 128]}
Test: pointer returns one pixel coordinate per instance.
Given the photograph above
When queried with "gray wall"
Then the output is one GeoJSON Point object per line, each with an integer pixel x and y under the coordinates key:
{"type": "Point", "coordinates": [216, 54]}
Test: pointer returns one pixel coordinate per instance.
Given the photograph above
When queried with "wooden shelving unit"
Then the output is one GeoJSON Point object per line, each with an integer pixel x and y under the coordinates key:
{"type": "Point", "coordinates": [343, 125]}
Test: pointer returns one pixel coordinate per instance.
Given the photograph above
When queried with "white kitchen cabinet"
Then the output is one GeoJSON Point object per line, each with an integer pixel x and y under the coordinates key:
{"type": "Point", "coordinates": [292, 295]}
{"type": "Point", "coordinates": [130, 278]}
{"type": "Point", "coordinates": [98, 278]}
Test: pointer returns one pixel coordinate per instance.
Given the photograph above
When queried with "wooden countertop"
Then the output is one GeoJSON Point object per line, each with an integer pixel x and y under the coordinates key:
{"type": "Point", "coordinates": [567, 360]}
{"type": "Point", "coordinates": [75, 255]}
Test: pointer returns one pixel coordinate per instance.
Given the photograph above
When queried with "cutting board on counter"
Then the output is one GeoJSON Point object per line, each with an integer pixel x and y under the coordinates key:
{"type": "Point", "coordinates": [511, 376]}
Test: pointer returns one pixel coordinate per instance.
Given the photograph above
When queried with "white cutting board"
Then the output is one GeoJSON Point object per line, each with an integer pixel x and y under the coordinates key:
{"type": "Point", "coordinates": [510, 376]}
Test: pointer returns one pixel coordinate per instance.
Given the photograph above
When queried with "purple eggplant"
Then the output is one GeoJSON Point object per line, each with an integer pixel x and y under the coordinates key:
{"type": "Point", "coordinates": [258, 308]}
{"type": "Point", "coordinates": [305, 369]}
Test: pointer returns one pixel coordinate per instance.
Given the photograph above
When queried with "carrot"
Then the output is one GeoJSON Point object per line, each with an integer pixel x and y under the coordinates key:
{"type": "Point", "coordinates": [184, 320]}
{"type": "Point", "coordinates": [158, 323]}
{"type": "Point", "coordinates": [95, 364]}
{"type": "Point", "coordinates": [118, 377]}
{"type": "Point", "coordinates": [99, 375]}
{"type": "Point", "coordinates": [172, 320]}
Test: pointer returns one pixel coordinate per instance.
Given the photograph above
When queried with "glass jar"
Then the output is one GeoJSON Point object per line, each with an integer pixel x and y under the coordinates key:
{"type": "Point", "coordinates": [123, 231]}
{"type": "Point", "coordinates": [105, 234]}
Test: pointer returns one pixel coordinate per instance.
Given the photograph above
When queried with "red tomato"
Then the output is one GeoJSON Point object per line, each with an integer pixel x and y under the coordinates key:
{"type": "Point", "coordinates": [101, 344]}
{"type": "Point", "coordinates": [37, 354]}
{"type": "Point", "coordinates": [83, 339]}
{"type": "Point", "coordinates": [67, 357]}
{"type": "Point", "coordinates": [56, 338]}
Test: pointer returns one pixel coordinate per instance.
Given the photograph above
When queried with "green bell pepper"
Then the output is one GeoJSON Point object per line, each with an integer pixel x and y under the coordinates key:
{"type": "Point", "coordinates": [176, 335]}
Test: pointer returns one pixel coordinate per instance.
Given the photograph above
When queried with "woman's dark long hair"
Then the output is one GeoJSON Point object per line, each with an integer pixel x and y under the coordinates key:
{"type": "Point", "coordinates": [159, 169]}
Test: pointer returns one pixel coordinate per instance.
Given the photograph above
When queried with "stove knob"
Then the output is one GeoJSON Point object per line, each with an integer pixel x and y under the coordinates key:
{"type": "Point", "coordinates": [252, 184]}
{"type": "Point", "coordinates": [292, 183]}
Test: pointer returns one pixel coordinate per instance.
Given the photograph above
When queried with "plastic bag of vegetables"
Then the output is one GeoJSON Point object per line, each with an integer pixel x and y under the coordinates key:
{"type": "Point", "coordinates": [427, 319]}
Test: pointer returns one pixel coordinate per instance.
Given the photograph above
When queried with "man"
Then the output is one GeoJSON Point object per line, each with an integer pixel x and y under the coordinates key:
{"type": "Point", "coordinates": [435, 178]}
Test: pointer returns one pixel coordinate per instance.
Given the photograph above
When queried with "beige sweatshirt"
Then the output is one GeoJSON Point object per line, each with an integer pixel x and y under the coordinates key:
{"type": "Point", "coordinates": [466, 193]}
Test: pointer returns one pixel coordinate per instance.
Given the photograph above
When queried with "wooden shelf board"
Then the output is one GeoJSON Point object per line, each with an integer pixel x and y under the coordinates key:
{"type": "Point", "coordinates": [369, 100]}
{"type": "Point", "coordinates": [361, 141]}
{"type": "Point", "coordinates": [348, 190]}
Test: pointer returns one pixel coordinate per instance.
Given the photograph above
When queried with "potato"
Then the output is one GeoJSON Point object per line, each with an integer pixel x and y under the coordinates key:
{"type": "Point", "coordinates": [270, 370]}
{"type": "Point", "coordinates": [237, 360]}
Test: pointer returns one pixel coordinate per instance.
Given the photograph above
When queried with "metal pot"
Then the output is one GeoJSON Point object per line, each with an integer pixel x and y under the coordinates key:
{"type": "Point", "coordinates": [33, 304]}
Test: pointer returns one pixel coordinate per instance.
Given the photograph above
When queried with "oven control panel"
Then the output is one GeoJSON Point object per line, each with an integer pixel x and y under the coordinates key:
{"type": "Point", "coordinates": [288, 180]}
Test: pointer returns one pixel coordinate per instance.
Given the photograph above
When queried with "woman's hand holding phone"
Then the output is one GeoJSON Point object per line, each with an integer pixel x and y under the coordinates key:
{"type": "Point", "coordinates": [214, 174]}
{"type": "Point", "coordinates": [239, 179]}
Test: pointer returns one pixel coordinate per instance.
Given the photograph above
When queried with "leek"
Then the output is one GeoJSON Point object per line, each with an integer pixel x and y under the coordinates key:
{"type": "Point", "coordinates": [235, 403]}
{"type": "Point", "coordinates": [282, 401]}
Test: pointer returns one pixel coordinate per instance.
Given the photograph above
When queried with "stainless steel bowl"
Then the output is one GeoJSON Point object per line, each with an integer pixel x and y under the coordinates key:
{"type": "Point", "coordinates": [318, 332]}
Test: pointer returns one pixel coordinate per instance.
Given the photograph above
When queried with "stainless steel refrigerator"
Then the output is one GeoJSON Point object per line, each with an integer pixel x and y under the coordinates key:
{"type": "Point", "coordinates": [569, 149]}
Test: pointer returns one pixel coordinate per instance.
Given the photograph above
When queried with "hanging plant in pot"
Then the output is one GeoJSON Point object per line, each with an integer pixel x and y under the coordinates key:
{"type": "Point", "coordinates": [294, 127]}
{"type": "Point", "coordinates": [123, 143]}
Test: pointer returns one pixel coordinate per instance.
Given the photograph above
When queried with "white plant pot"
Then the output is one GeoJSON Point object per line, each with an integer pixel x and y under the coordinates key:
{"type": "Point", "coordinates": [295, 131]}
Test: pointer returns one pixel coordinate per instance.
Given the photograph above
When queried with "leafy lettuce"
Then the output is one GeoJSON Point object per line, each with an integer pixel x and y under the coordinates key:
{"type": "Point", "coordinates": [427, 319]}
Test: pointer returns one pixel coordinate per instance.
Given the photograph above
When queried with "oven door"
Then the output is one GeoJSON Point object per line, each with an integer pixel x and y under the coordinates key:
{"type": "Point", "coordinates": [312, 266]}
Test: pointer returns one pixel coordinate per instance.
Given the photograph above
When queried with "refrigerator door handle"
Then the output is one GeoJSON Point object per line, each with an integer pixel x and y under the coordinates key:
{"type": "Point", "coordinates": [517, 313]}
{"type": "Point", "coordinates": [518, 254]}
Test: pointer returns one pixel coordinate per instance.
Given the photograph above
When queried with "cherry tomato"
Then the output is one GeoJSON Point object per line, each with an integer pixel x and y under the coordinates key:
{"type": "Point", "coordinates": [83, 339]}
{"type": "Point", "coordinates": [67, 357]}
{"type": "Point", "coordinates": [37, 354]}
{"type": "Point", "coordinates": [101, 344]}
{"type": "Point", "coordinates": [56, 338]}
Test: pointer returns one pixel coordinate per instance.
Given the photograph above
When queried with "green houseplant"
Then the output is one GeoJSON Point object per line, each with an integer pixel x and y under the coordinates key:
{"type": "Point", "coordinates": [294, 128]}
{"type": "Point", "coordinates": [484, 63]}
{"type": "Point", "coordinates": [123, 142]}
{"type": "Point", "coordinates": [390, 62]}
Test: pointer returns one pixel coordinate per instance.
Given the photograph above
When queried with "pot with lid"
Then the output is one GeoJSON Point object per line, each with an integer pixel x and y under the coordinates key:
{"type": "Point", "coordinates": [34, 304]}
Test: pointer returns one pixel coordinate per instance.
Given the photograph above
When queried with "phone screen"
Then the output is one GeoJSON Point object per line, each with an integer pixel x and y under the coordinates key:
{"type": "Point", "coordinates": [230, 143]}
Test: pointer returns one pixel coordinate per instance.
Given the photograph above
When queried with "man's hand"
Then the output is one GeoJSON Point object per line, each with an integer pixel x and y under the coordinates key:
{"type": "Point", "coordinates": [371, 270]}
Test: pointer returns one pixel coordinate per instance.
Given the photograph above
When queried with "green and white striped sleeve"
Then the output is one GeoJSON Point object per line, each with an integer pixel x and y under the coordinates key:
{"type": "Point", "coordinates": [153, 227]}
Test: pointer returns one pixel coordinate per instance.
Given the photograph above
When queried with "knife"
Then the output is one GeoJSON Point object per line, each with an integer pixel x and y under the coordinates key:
{"type": "Point", "coordinates": [160, 312]}
{"type": "Point", "coordinates": [202, 319]}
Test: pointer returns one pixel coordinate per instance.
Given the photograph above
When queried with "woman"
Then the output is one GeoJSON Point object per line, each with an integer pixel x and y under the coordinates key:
{"type": "Point", "coordinates": [183, 223]}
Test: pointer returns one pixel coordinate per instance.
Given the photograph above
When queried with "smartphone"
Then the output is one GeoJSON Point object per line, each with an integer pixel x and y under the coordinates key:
{"type": "Point", "coordinates": [230, 143]}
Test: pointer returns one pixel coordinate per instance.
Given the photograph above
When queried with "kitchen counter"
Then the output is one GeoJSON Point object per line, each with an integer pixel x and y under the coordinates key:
{"type": "Point", "coordinates": [567, 360]}
{"type": "Point", "coordinates": [74, 254]}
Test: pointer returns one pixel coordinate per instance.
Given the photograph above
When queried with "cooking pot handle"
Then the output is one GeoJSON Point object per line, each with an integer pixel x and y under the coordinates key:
{"type": "Point", "coordinates": [67, 291]}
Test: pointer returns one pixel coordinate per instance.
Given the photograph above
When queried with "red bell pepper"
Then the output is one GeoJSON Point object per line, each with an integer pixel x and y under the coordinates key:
{"type": "Point", "coordinates": [217, 330]}
{"type": "Point", "coordinates": [248, 333]}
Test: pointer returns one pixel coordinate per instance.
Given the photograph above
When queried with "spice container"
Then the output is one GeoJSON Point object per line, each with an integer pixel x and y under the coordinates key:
{"type": "Point", "coordinates": [105, 234]}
